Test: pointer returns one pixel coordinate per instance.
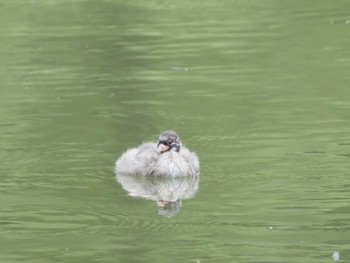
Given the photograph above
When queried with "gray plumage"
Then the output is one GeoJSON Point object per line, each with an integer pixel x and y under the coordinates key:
{"type": "Point", "coordinates": [166, 157]}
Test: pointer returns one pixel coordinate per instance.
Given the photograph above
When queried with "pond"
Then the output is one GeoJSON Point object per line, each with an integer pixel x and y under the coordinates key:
{"type": "Point", "coordinates": [259, 90]}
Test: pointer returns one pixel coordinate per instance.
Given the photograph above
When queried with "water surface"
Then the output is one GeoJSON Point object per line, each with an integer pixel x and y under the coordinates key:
{"type": "Point", "coordinates": [258, 89]}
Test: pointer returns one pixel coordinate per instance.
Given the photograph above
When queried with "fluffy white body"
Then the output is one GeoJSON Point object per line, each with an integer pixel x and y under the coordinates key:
{"type": "Point", "coordinates": [151, 159]}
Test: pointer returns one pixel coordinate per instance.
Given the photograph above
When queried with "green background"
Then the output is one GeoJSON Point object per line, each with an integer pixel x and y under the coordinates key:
{"type": "Point", "coordinates": [258, 89]}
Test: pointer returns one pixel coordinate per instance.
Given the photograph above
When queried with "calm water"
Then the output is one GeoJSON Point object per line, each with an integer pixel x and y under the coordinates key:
{"type": "Point", "coordinates": [258, 89]}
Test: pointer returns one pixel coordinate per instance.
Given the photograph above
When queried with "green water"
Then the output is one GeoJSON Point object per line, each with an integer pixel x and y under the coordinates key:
{"type": "Point", "coordinates": [258, 89]}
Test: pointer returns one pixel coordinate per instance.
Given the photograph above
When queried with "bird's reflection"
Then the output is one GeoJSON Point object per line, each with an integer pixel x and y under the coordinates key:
{"type": "Point", "coordinates": [167, 191]}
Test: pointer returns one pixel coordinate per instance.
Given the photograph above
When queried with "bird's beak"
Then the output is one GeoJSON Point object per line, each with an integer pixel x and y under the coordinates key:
{"type": "Point", "coordinates": [163, 148]}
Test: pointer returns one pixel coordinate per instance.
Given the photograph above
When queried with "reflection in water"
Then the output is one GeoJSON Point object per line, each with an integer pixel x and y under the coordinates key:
{"type": "Point", "coordinates": [167, 191]}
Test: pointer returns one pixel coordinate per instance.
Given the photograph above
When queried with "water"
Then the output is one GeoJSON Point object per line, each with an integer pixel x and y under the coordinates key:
{"type": "Point", "coordinates": [258, 89]}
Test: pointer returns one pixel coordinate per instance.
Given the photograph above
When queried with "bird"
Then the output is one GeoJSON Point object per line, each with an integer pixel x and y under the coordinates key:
{"type": "Point", "coordinates": [165, 157]}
